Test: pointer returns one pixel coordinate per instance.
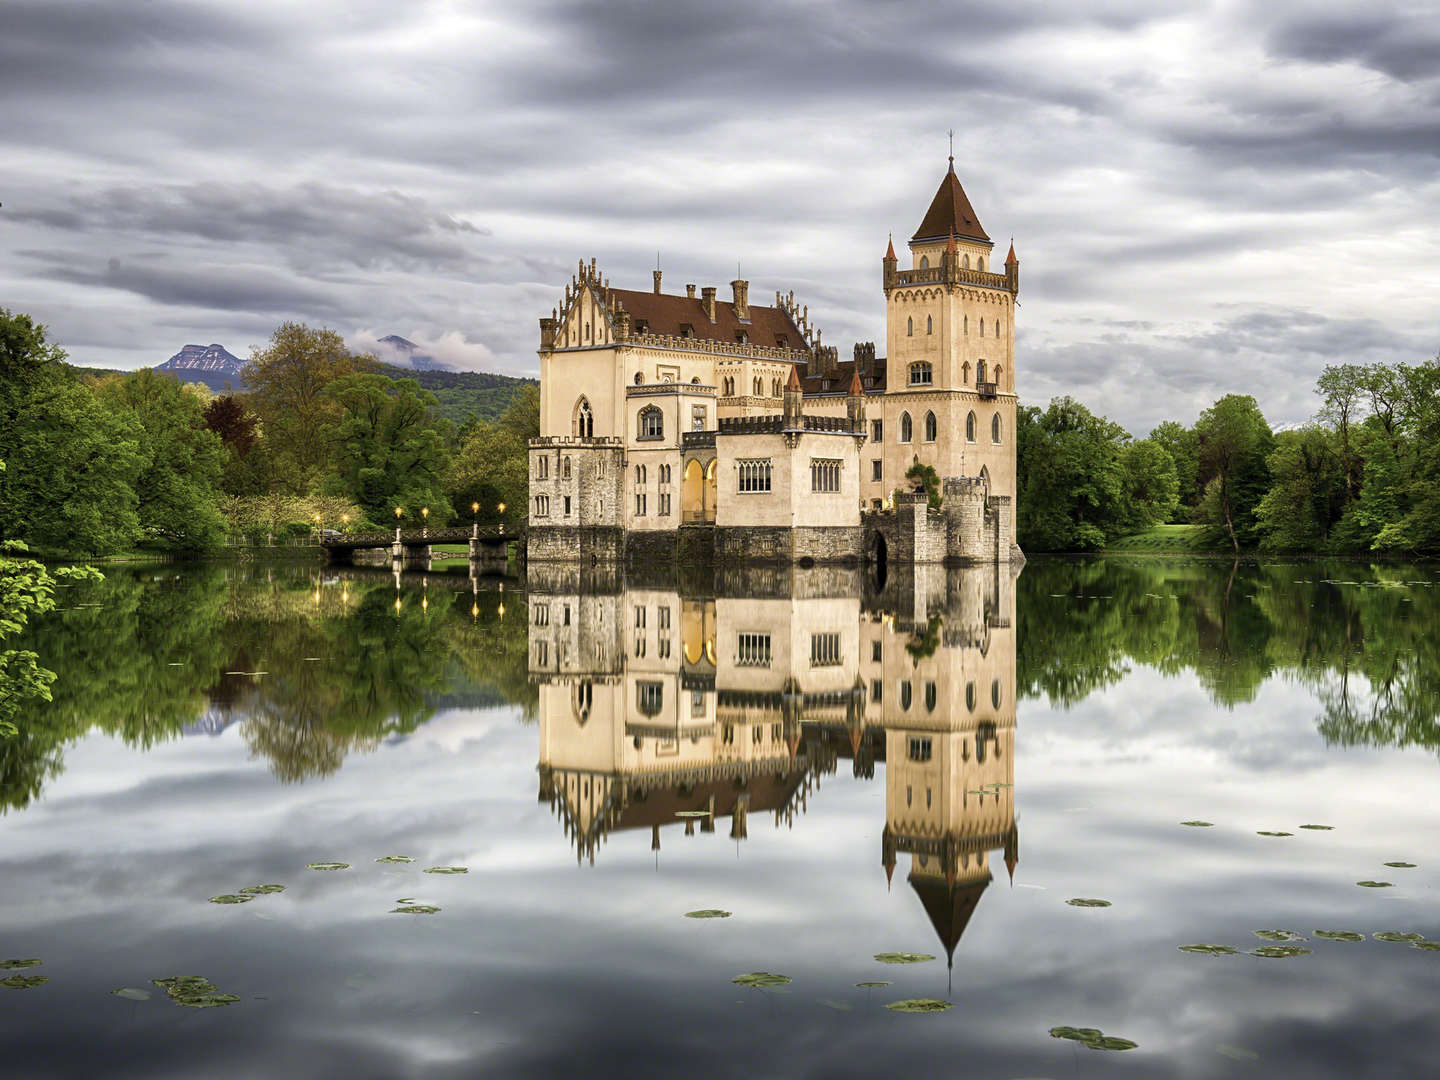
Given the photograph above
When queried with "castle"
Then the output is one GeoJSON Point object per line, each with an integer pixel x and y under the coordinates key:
{"type": "Point", "coordinates": [694, 426]}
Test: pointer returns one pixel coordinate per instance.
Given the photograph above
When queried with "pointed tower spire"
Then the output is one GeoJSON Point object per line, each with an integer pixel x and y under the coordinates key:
{"type": "Point", "coordinates": [890, 247]}
{"type": "Point", "coordinates": [1011, 260]}
{"type": "Point", "coordinates": [950, 211]}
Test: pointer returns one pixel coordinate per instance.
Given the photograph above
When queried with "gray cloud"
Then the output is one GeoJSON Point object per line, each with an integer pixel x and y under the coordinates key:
{"type": "Point", "coordinates": [1176, 172]}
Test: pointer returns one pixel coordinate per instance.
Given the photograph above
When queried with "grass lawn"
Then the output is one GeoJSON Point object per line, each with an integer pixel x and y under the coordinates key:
{"type": "Point", "coordinates": [1176, 538]}
{"type": "Point", "coordinates": [450, 549]}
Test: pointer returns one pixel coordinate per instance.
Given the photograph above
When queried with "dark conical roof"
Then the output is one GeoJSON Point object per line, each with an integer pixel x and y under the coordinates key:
{"type": "Point", "coordinates": [950, 212]}
{"type": "Point", "coordinates": [949, 907]}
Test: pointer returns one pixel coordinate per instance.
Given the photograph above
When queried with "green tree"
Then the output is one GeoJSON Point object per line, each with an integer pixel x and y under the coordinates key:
{"type": "Point", "coordinates": [1151, 489]}
{"type": "Point", "coordinates": [1234, 442]}
{"type": "Point", "coordinates": [1307, 491]}
{"type": "Point", "coordinates": [71, 460]}
{"type": "Point", "coordinates": [1183, 447]}
{"type": "Point", "coordinates": [388, 446]}
{"type": "Point", "coordinates": [492, 464]}
{"type": "Point", "coordinates": [177, 487]}
{"type": "Point", "coordinates": [1342, 387]}
{"type": "Point", "coordinates": [1071, 478]}
{"type": "Point", "coordinates": [287, 380]}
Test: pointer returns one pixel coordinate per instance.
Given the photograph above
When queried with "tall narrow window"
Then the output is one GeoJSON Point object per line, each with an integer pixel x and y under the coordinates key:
{"type": "Point", "coordinates": [910, 327]}
{"type": "Point", "coordinates": [877, 431]}
{"type": "Point", "coordinates": [652, 423]}
{"type": "Point", "coordinates": [650, 697]}
{"type": "Point", "coordinates": [970, 428]}
{"type": "Point", "coordinates": [566, 470]}
{"type": "Point", "coordinates": [980, 373]}
{"type": "Point", "coordinates": [584, 420]}
{"type": "Point", "coordinates": [906, 427]}
{"type": "Point", "coordinates": [930, 427]}
{"type": "Point", "coordinates": [929, 325]}
{"type": "Point", "coordinates": [995, 428]}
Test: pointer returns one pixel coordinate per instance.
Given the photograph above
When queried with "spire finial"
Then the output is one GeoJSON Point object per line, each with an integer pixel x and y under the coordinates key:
{"type": "Point", "coordinates": [952, 149]}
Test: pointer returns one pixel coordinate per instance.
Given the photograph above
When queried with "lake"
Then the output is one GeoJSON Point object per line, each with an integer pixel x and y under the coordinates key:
{"type": "Point", "coordinates": [935, 765]}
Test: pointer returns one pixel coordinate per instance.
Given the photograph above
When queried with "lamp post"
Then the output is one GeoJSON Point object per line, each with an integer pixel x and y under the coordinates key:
{"type": "Point", "coordinates": [319, 532]}
{"type": "Point", "coordinates": [475, 519]}
{"type": "Point", "coordinates": [345, 522]}
{"type": "Point", "coordinates": [399, 513]}
{"type": "Point", "coordinates": [425, 526]}
{"type": "Point", "coordinates": [500, 508]}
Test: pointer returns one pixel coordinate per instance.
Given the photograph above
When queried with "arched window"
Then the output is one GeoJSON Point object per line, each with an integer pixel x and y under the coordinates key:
{"type": "Point", "coordinates": [995, 693]}
{"type": "Point", "coordinates": [907, 431]}
{"type": "Point", "coordinates": [906, 694]}
{"type": "Point", "coordinates": [566, 468]}
{"type": "Point", "coordinates": [982, 327]}
{"type": "Point", "coordinates": [924, 262]}
{"type": "Point", "coordinates": [759, 386]}
{"type": "Point", "coordinates": [581, 700]}
{"type": "Point", "coordinates": [998, 331]}
{"type": "Point", "coordinates": [652, 423]}
{"type": "Point", "coordinates": [970, 696]}
{"type": "Point", "coordinates": [695, 381]}
{"type": "Point", "coordinates": [965, 372]}
{"type": "Point", "coordinates": [921, 373]}
{"type": "Point", "coordinates": [967, 324]}
{"type": "Point", "coordinates": [774, 387]}
{"type": "Point", "coordinates": [584, 419]}
{"type": "Point", "coordinates": [910, 327]}
{"type": "Point", "coordinates": [995, 429]}
{"type": "Point", "coordinates": [930, 427]}
{"type": "Point", "coordinates": [980, 373]}
{"type": "Point", "coordinates": [970, 428]}
{"type": "Point", "coordinates": [929, 325]}
{"type": "Point", "coordinates": [980, 262]}
{"type": "Point", "coordinates": [639, 377]}
{"type": "Point", "coordinates": [930, 697]}
{"type": "Point", "coordinates": [965, 261]}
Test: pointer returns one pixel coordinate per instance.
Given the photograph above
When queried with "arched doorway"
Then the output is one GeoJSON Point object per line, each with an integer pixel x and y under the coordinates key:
{"type": "Point", "coordinates": [881, 558]}
{"type": "Point", "coordinates": [692, 493]}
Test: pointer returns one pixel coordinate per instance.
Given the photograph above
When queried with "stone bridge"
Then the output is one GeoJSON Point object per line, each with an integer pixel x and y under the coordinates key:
{"type": "Point", "coordinates": [411, 545]}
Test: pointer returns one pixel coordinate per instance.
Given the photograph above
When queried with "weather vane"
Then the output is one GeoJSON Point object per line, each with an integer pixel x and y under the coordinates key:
{"type": "Point", "coordinates": [952, 145]}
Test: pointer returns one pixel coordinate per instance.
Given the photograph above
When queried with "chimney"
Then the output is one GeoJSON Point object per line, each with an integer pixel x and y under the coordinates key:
{"type": "Point", "coordinates": [657, 281]}
{"type": "Point", "coordinates": [708, 299]}
{"type": "Point", "coordinates": [689, 292]}
{"type": "Point", "coordinates": [742, 299]}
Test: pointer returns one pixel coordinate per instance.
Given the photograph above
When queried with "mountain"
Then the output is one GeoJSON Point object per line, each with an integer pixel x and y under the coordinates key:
{"type": "Point", "coordinates": [406, 354]}
{"type": "Point", "coordinates": [213, 365]}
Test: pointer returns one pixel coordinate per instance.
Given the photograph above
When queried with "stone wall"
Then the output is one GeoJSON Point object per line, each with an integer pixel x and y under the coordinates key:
{"type": "Point", "coordinates": [773, 544]}
{"type": "Point", "coordinates": [569, 543]}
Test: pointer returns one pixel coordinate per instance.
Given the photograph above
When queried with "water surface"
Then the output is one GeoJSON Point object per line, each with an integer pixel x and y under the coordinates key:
{"type": "Point", "coordinates": [934, 767]}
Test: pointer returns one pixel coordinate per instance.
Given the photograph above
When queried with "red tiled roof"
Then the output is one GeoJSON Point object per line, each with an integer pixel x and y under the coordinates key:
{"type": "Point", "coordinates": [1011, 260]}
{"type": "Point", "coordinates": [950, 212]}
{"type": "Point", "coordinates": [666, 314]}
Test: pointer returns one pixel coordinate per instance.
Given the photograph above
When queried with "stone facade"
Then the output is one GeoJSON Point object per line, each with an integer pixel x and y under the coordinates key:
{"type": "Point", "coordinates": [657, 410]}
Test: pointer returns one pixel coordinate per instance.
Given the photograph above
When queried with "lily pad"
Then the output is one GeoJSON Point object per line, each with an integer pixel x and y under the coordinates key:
{"type": "Point", "coordinates": [1092, 1038]}
{"type": "Point", "coordinates": [231, 898]}
{"type": "Point", "coordinates": [707, 913]}
{"type": "Point", "coordinates": [760, 979]}
{"type": "Point", "coordinates": [262, 890]}
{"type": "Point", "coordinates": [194, 992]}
{"type": "Point", "coordinates": [395, 858]}
{"type": "Point", "coordinates": [1373, 884]}
{"type": "Point", "coordinates": [1210, 950]}
{"type": "Point", "coordinates": [1339, 935]}
{"type": "Point", "coordinates": [1279, 952]}
{"type": "Point", "coordinates": [1085, 901]}
{"type": "Point", "coordinates": [1396, 935]}
{"type": "Point", "coordinates": [903, 957]}
{"type": "Point", "coordinates": [1427, 946]}
{"type": "Point", "coordinates": [871, 985]}
{"type": "Point", "coordinates": [1199, 824]}
{"type": "Point", "coordinates": [1319, 828]}
{"type": "Point", "coordinates": [132, 993]}
{"type": "Point", "coordinates": [327, 866]}
{"type": "Point", "coordinates": [1401, 865]}
{"type": "Point", "coordinates": [919, 1005]}
{"type": "Point", "coordinates": [16, 965]}
{"type": "Point", "coordinates": [448, 870]}
{"type": "Point", "coordinates": [1264, 832]}
{"type": "Point", "coordinates": [23, 982]}
{"type": "Point", "coordinates": [415, 909]}
{"type": "Point", "coordinates": [1279, 935]}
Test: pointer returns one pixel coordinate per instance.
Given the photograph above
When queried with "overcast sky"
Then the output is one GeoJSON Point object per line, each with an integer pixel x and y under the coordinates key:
{"type": "Point", "coordinates": [1205, 197]}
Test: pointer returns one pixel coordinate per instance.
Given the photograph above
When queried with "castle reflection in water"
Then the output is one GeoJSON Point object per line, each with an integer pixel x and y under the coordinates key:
{"type": "Point", "coordinates": [674, 703]}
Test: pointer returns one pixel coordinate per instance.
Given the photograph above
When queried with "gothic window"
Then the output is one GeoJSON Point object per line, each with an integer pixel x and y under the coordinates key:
{"type": "Point", "coordinates": [967, 324]}
{"type": "Point", "coordinates": [930, 696]}
{"type": "Point", "coordinates": [877, 431]}
{"type": "Point", "coordinates": [542, 468]}
{"type": "Point", "coordinates": [918, 748]}
{"type": "Point", "coordinates": [824, 650]}
{"type": "Point", "coordinates": [929, 325]}
{"type": "Point", "coordinates": [921, 373]}
{"type": "Point", "coordinates": [995, 376]}
{"type": "Point", "coordinates": [566, 469]}
{"type": "Point", "coordinates": [640, 505]}
{"type": "Point", "coordinates": [698, 417]}
{"type": "Point", "coordinates": [542, 505]}
{"type": "Point", "coordinates": [997, 328]}
{"type": "Point", "coordinates": [758, 386]}
{"type": "Point", "coordinates": [652, 423]}
{"type": "Point", "coordinates": [924, 262]}
{"type": "Point", "coordinates": [965, 372]}
{"type": "Point", "coordinates": [581, 700]}
{"type": "Point", "coordinates": [906, 428]}
{"type": "Point", "coordinates": [982, 327]}
{"type": "Point", "coordinates": [965, 261]}
{"type": "Point", "coordinates": [754, 474]}
{"type": "Point", "coordinates": [970, 428]}
{"type": "Point", "coordinates": [980, 262]}
{"type": "Point", "coordinates": [995, 693]}
{"type": "Point", "coordinates": [584, 420]}
{"type": "Point", "coordinates": [930, 427]}
{"type": "Point", "coordinates": [752, 650]}
{"type": "Point", "coordinates": [995, 429]}
{"type": "Point", "coordinates": [650, 696]}
{"type": "Point", "coordinates": [639, 377]}
{"type": "Point", "coordinates": [980, 370]}
{"type": "Point", "coordinates": [824, 475]}
{"type": "Point", "coordinates": [906, 695]}
{"type": "Point", "coordinates": [567, 505]}
{"type": "Point", "coordinates": [970, 696]}
{"type": "Point", "coordinates": [910, 327]}
{"type": "Point", "coordinates": [774, 387]}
